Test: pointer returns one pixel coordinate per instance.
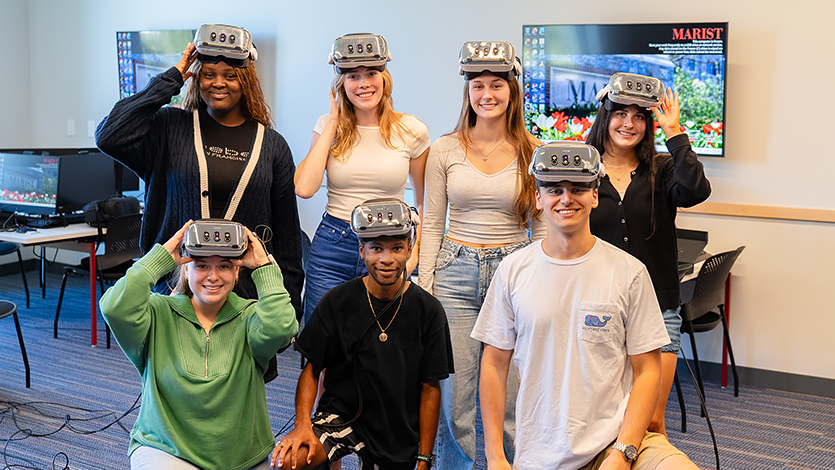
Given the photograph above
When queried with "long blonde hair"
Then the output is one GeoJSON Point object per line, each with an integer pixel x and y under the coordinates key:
{"type": "Point", "coordinates": [179, 278]}
{"type": "Point", "coordinates": [253, 105]}
{"type": "Point", "coordinates": [346, 129]}
{"type": "Point", "coordinates": [519, 137]}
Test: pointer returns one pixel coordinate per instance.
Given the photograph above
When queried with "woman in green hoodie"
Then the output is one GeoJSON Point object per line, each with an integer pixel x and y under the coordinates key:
{"type": "Point", "coordinates": [201, 353]}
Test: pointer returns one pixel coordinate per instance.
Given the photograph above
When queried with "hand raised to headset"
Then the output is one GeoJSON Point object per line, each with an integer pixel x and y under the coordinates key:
{"type": "Point", "coordinates": [256, 256]}
{"type": "Point", "coordinates": [174, 244]}
{"type": "Point", "coordinates": [186, 59]}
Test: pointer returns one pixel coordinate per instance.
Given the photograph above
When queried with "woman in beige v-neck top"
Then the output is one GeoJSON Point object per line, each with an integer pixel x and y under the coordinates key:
{"type": "Point", "coordinates": [480, 171]}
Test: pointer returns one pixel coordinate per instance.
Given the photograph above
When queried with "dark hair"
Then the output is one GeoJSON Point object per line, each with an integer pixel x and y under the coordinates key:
{"type": "Point", "coordinates": [550, 184]}
{"type": "Point", "coordinates": [253, 104]}
{"type": "Point", "coordinates": [405, 236]}
{"type": "Point", "coordinates": [645, 151]}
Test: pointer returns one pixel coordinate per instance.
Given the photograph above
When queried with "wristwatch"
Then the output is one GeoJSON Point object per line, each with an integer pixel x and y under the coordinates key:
{"type": "Point", "coordinates": [630, 452]}
{"type": "Point", "coordinates": [430, 459]}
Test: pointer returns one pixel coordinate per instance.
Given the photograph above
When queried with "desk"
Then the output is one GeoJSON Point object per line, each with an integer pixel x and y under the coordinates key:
{"type": "Point", "coordinates": [76, 237]}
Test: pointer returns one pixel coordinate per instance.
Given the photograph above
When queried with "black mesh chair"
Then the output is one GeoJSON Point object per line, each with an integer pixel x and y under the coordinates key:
{"type": "Point", "coordinates": [10, 309]}
{"type": "Point", "coordinates": [121, 248]}
{"type": "Point", "coordinates": [7, 248]}
{"type": "Point", "coordinates": [706, 309]}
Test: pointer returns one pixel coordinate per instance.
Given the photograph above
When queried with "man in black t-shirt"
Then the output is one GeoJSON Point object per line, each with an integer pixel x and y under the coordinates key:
{"type": "Point", "coordinates": [385, 344]}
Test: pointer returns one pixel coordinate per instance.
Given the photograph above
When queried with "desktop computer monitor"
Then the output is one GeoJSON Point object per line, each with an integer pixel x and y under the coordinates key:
{"type": "Point", "coordinates": [28, 183]}
{"type": "Point", "coordinates": [84, 178]}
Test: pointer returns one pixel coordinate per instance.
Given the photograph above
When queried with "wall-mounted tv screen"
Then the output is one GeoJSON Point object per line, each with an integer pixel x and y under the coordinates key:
{"type": "Point", "coordinates": [566, 65]}
{"type": "Point", "coordinates": [143, 54]}
{"type": "Point", "coordinates": [28, 183]}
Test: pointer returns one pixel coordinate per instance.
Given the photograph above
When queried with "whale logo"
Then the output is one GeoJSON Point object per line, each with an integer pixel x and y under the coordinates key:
{"type": "Point", "coordinates": [593, 320]}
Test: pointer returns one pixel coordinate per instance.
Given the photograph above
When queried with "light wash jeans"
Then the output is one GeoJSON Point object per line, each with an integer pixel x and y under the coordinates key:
{"type": "Point", "coordinates": [150, 458]}
{"type": "Point", "coordinates": [334, 259]}
{"type": "Point", "coordinates": [462, 276]}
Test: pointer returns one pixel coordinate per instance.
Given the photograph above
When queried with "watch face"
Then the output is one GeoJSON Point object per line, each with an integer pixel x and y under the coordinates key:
{"type": "Point", "coordinates": [629, 452]}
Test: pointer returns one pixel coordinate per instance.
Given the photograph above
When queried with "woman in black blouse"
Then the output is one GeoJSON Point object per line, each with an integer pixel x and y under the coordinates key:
{"type": "Point", "coordinates": [638, 199]}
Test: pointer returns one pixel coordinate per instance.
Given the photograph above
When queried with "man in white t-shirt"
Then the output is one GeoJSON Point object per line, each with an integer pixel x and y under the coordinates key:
{"type": "Point", "coordinates": [580, 320]}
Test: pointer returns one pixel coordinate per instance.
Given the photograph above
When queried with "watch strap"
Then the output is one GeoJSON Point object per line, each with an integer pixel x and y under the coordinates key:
{"type": "Point", "coordinates": [429, 459]}
{"type": "Point", "coordinates": [630, 452]}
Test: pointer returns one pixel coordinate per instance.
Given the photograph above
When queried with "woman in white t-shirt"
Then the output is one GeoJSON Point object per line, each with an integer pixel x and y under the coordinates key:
{"type": "Point", "coordinates": [481, 171]}
{"type": "Point", "coordinates": [368, 150]}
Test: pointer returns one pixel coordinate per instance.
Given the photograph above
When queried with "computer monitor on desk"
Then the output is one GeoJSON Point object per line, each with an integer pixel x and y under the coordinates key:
{"type": "Point", "coordinates": [49, 190]}
{"type": "Point", "coordinates": [691, 245]}
{"type": "Point", "coordinates": [28, 183]}
{"type": "Point", "coordinates": [84, 178]}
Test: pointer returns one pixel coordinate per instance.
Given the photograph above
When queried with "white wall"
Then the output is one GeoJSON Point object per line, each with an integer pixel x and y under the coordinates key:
{"type": "Point", "coordinates": [774, 113]}
{"type": "Point", "coordinates": [14, 80]}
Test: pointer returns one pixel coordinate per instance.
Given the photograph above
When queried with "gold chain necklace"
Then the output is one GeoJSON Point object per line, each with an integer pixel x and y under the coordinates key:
{"type": "Point", "coordinates": [383, 335]}
{"type": "Point", "coordinates": [490, 152]}
{"type": "Point", "coordinates": [622, 174]}
{"type": "Point", "coordinates": [626, 165]}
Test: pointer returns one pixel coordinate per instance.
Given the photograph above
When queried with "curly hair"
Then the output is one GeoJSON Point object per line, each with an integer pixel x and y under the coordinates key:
{"type": "Point", "coordinates": [346, 129]}
{"type": "Point", "coordinates": [519, 137]}
{"type": "Point", "coordinates": [253, 105]}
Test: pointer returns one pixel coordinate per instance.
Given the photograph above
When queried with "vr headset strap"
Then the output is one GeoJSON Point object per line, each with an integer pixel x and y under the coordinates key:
{"type": "Point", "coordinates": [204, 173]}
{"type": "Point", "coordinates": [203, 166]}
{"type": "Point", "coordinates": [248, 170]}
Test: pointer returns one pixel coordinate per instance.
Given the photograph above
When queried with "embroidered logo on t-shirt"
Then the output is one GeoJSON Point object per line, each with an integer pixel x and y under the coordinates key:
{"type": "Point", "coordinates": [594, 320]}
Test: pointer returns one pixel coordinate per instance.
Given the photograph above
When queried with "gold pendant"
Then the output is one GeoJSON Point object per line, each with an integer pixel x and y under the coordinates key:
{"type": "Point", "coordinates": [383, 337]}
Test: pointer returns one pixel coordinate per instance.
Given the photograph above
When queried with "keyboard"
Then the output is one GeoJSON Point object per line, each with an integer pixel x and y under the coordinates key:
{"type": "Point", "coordinates": [49, 221]}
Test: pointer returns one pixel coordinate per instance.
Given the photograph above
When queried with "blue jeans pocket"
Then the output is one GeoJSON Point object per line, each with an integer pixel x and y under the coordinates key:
{"type": "Point", "coordinates": [445, 257]}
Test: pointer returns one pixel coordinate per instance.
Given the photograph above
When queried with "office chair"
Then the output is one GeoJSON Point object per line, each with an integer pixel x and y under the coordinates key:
{"type": "Point", "coordinates": [9, 308]}
{"type": "Point", "coordinates": [7, 248]}
{"type": "Point", "coordinates": [121, 247]}
{"type": "Point", "coordinates": [706, 309]}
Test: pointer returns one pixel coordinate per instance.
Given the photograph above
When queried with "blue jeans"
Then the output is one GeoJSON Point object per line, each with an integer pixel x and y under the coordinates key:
{"type": "Point", "coordinates": [334, 259]}
{"type": "Point", "coordinates": [672, 320]}
{"type": "Point", "coordinates": [462, 276]}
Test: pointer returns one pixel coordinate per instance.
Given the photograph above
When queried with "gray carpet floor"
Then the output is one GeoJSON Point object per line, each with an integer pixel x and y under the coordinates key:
{"type": "Point", "coordinates": [68, 419]}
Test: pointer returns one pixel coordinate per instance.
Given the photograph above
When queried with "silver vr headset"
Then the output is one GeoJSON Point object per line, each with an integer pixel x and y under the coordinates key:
{"type": "Point", "coordinates": [209, 237]}
{"type": "Point", "coordinates": [384, 217]}
{"type": "Point", "coordinates": [566, 161]}
{"type": "Point", "coordinates": [630, 88]}
{"type": "Point", "coordinates": [230, 44]}
{"type": "Point", "coordinates": [497, 57]}
{"type": "Point", "coordinates": [359, 50]}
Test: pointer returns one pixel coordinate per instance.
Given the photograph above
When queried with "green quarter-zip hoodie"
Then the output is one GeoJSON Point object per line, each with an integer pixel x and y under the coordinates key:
{"type": "Point", "coordinates": [203, 396]}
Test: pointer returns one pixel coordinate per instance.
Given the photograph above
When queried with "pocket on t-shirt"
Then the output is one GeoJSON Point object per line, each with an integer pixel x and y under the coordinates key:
{"type": "Point", "coordinates": [599, 323]}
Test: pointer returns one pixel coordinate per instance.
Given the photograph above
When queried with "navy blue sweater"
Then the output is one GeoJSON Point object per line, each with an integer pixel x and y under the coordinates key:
{"type": "Point", "coordinates": [157, 143]}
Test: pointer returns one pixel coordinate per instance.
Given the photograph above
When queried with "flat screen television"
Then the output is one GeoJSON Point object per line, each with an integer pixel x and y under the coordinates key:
{"type": "Point", "coordinates": [144, 54]}
{"type": "Point", "coordinates": [566, 65]}
{"type": "Point", "coordinates": [28, 183]}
